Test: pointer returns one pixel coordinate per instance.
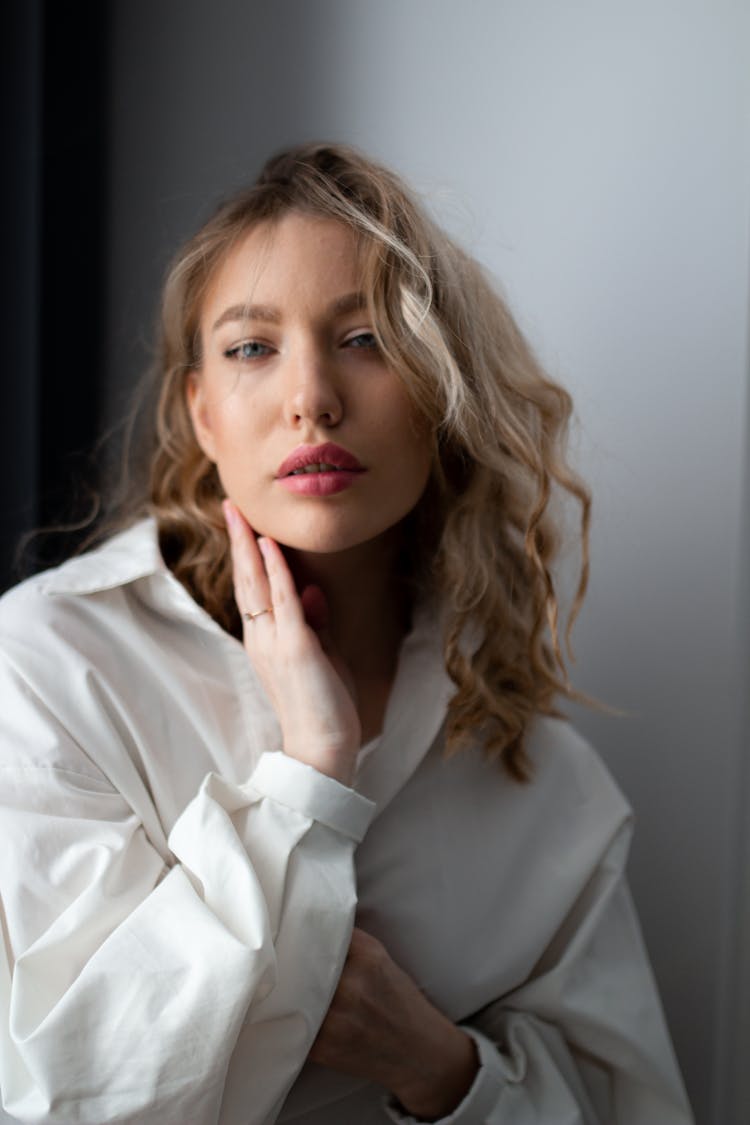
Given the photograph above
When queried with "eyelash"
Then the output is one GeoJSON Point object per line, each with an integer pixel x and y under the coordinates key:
{"type": "Point", "coordinates": [236, 351]}
{"type": "Point", "coordinates": [370, 336]}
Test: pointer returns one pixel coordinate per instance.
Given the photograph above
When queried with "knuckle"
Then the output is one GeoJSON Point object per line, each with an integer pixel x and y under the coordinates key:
{"type": "Point", "coordinates": [367, 946]}
{"type": "Point", "coordinates": [279, 590]}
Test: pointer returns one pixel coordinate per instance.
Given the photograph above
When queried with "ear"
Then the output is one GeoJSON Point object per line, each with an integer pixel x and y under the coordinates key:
{"type": "Point", "coordinates": [200, 415]}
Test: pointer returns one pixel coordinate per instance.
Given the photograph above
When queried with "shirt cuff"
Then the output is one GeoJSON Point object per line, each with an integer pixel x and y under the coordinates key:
{"type": "Point", "coordinates": [314, 794]}
{"type": "Point", "coordinates": [482, 1096]}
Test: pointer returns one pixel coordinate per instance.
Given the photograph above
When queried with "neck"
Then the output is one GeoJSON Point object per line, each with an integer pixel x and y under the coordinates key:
{"type": "Point", "coordinates": [368, 610]}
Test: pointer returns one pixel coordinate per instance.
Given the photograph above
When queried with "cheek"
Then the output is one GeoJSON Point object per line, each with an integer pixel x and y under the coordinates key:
{"type": "Point", "coordinates": [415, 438]}
{"type": "Point", "coordinates": [237, 417]}
{"type": "Point", "coordinates": [411, 462]}
{"type": "Point", "coordinates": [398, 415]}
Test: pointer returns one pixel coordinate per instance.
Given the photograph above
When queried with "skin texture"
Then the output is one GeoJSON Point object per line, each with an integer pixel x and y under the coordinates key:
{"type": "Point", "coordinates": [313, 375]}
{"type": "Point", "coordinates": [378, 1016]}
{"type": "Point", "coordinates": [306, 685]}
{"type": "Point", "coordinates": [303, 370]}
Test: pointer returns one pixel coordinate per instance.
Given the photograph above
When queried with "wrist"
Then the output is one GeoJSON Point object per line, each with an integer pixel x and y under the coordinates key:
{"type": "Point", "coordinates": [438, 1088]}
{"type": "Point", "coordinates": [338, 763]}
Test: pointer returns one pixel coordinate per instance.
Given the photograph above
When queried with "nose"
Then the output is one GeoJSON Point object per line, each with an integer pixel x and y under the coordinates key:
{"type": "Point", "coordinates": [312, 392]}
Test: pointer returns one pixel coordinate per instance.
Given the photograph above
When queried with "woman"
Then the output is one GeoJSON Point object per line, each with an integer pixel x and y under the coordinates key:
{"type": "Point", "coordinates": [241, 879]}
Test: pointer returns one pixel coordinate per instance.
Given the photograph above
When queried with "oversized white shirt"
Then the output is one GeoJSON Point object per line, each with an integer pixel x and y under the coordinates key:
{"type": "Point", "coordinates": [178, 895]}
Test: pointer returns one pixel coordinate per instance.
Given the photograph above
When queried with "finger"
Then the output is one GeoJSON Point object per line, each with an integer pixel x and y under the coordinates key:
{"type": "Point", "coordinates": [287, 606]}
{"type": "Point", "coordinates": [251, 586]}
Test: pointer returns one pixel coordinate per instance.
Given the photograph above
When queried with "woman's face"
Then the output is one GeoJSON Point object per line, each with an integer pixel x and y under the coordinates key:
{"type": "Point", "coordinates": [312, 434]}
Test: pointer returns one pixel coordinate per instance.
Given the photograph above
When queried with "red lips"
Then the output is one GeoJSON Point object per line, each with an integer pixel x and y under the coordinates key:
{"type": "Point", "coordinates": [328, 454]}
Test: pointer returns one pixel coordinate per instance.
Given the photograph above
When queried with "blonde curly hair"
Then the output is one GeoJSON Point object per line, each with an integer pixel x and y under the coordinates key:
{"type": "Point", "coordinates": [484, 537]}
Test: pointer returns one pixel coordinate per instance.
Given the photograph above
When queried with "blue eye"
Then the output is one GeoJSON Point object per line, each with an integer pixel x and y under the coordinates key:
{"type": "Point", "coordinates": [362, 340]}
{"type": "Point", "coordinates": [248, 349]}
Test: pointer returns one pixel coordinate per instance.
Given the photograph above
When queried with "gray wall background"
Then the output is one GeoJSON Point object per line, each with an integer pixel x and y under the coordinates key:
{"type": "Point", "coordinates": [596, 155]}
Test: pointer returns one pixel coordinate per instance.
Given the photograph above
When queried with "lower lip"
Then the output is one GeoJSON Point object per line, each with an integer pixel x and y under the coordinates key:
{"type": "Point", "coordinates": [319, 484]}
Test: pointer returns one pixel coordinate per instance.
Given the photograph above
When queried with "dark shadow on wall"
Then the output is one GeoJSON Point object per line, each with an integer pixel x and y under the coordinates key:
{"type": "Point", "coordinates": [125, 122]}
{"type": "Point", "coordinates": [54, 101]}
{"type": "Point", "coordinates": [201, 95]}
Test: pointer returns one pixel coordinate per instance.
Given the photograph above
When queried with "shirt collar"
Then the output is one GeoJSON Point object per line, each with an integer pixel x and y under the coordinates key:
{"type": "Point", "coordinates": [415, 713]}
{"type": "Point", "coordinates": [126, 557]}
{"type": "Point", "coordinates": [421, 690]}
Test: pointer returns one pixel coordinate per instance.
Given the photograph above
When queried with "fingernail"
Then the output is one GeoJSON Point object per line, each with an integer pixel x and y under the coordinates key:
{"type": "Point", "coordinates": [263, 545]}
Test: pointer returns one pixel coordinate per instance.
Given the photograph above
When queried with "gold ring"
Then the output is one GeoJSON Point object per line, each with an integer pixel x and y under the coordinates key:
{"type": "Point", "coordinates": [258, 613]}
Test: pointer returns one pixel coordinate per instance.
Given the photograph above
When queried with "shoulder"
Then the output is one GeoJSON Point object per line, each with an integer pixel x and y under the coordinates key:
{"type": "Point", "coordinates": [55, 623]}
{"type": "Point", "coordinates": [569, 773]}
{"type": "Point", "coordinates": [88, 650]}
{"type": "Point", "coordinates": [557, 748]}
{"type": "Point", "coordinates": [123, 558]}
{"type": "Point", "coordinates": [115, 565]}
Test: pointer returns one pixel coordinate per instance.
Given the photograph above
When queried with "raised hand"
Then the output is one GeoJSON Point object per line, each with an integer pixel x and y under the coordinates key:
{"type": "Point", "coordinates": [382, 1027]}
{"type": "Point", "coordinates": [305, 680]}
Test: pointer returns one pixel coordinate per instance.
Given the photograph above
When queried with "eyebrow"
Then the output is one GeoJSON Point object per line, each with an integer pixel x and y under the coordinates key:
{"type": "Point", "coordinates": [248, 312]}
{"type": "Point", "coordinates": [350, 302]}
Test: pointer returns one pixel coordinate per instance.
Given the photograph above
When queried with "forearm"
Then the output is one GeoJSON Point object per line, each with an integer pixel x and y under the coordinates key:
{"type": "Point", "coordinates": [439, 1075]}
{"type": "Point", "coordinates": [533, 1078]}
{"type": "Point", "coordinates": [129, 1003]}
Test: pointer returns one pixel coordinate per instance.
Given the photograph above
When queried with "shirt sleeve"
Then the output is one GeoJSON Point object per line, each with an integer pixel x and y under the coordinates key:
{"type": "Point", "coordinates": [584, 1040]}
{"type": "Point", "coordinates": [126, 983]}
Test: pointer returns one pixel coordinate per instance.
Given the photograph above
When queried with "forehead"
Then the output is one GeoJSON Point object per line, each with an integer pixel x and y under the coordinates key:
{"type": "Point", "coordinates": [295, 259]}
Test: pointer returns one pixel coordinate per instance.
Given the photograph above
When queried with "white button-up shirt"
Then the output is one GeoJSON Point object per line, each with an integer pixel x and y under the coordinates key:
{"type": "Point", "coordinates": [178, 895]}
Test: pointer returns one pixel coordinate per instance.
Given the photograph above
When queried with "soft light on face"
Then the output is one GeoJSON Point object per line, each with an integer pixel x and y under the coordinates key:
{"type": "Point", "coordinates": [290, 364]}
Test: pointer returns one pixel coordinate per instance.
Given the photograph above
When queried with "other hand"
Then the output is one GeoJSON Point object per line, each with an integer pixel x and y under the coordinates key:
{"type": "Point", "coordinates": [382, 1027]}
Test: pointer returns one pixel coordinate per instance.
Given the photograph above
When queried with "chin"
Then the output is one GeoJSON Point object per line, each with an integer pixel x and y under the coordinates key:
{"type": "Point", "coordinates": [322, 544]}
{"type": "Point", "coordinates": [327, 537]}
{"type": "Point", "coordinates": [328, 528]}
